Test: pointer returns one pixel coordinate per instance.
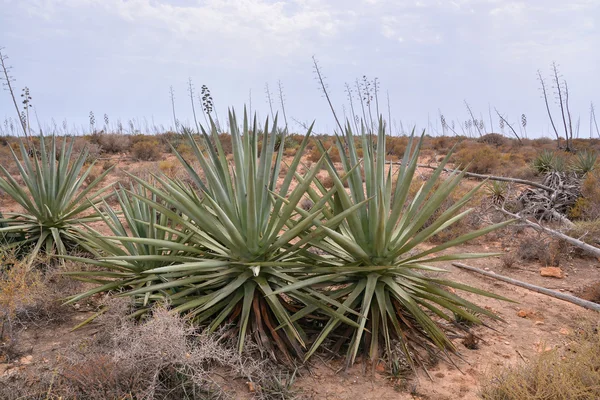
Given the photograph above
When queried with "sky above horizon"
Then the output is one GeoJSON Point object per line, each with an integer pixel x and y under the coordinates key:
{"type": "Point", "coordinates": [120, 57]}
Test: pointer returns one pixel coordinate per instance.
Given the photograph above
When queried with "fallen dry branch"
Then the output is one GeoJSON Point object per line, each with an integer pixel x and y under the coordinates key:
{"type": "Point", "coordinates": [558, 295]}
{"type": "Point", "coordinates": [594, 251]}
{"type": "Point", "coordinates": [492, 177]}
{"type": "Point", "coordinates": [553, 205]}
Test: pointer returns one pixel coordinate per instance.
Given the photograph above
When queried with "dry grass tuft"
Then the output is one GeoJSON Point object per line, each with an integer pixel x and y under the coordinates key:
{"type": "Point", "coordinates": [162, 357]}
{"type": "Point", "coordinates": [571, 373]}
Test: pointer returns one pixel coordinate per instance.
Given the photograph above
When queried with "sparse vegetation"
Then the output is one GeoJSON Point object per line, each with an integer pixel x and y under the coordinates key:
{"type": "Point", "coordinates": [569, 373]}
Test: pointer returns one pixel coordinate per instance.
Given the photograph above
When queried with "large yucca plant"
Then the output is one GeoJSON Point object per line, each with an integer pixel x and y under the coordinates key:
{"type": "Point", "coordinates": [238, 227]}
{"type": "Point", "coordinates": [379, 268]}
{"type": "Point", "coordinates": [52, 196]}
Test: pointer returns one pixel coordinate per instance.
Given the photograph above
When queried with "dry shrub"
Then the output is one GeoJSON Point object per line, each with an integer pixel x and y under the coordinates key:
{"type": "Point", "coordinates": [396, 146]}
{"type": "Point", "coordinates": [549, 252]}
{"type": "Point", "coordinates": [590, 292]}
{"type": "Point", "coordinates": [508, 259]}
{"type": "Point", "coordinates": [20, 288]}
{"type": "Point", "coordinates": [442, 144]}
{"type": "Point", "coordinates": [169, 167]}
{"type": "Point", "coordinates": [80, 144]}
{"type": "Point", "coordinates": [587, 231]}
{"type": "Point", "coordinates": [494, 139]}
{"type": "Point", "coordinates": [306, 204]}
{"type": "Point", "coordinates": [314, 154]}
{"type": "Point", "coordinates": [290, 151]}
{"type": "Point", "coordinates": [587, 206]}
{"type": "Point", "coordinates": [480, 158]}
{"type": "Point", "coordinates": [112, 143]}
{"type": "Point", "coordinates": [570, 373]}
{"type": "Point", "coordinates": [29, 295]}
{"type": "Point", "coordinates": [146, 150]}
{"type": "Point", "coordinates": [327, 182]}
{"type": "Point", "coordinates": [163, 357]}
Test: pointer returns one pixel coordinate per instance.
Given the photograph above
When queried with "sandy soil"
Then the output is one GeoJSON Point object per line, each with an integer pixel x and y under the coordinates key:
{"type": "Point", "coordinates": [535, 323]}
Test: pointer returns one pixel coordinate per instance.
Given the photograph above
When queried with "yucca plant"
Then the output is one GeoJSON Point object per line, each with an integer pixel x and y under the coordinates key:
{"type": "Point", "coordinates": [584, 162]}
{"type": "Point", "coordinates": [378, 264]}
{"type": "Point", "coordinates": [52, 195]}
{"type": "Point", "coordinates": [497, 191]}
{"type": "Point", "coordinates": [139, 232]}
{"type": "Point", "coordinates": [549, 161]}
{"type": "Point", "coordinates": [543, 162]}
{"type": "Point", "coordinates": [238, 228]}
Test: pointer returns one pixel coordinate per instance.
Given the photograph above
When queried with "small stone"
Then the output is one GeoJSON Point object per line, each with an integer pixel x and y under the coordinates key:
{"type": "Point", "coordinates": [507, 343]}
{"type": "Point", "coordinates": [539, 322]}
{"type": "Point", "coordinates": [564, 331]}
{"type": "Point", "coordinates": [487, 269]}
{"type": "Point", "coordinates": [552, 272]}
{"type": "Point", "coordinates": [522, 314]}
{"type": "Point", "coordinates": [26, 360]}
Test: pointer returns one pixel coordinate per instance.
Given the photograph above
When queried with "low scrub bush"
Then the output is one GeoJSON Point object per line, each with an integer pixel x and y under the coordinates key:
{"type": "Point", "coordinates": [587, 207]}
{"type": "Point", "coordinates": [494, 139]}
{"type": "Point", "coordinates": [163, 357]}
{"type": "Point", "coordinates": [146, 150]}
{"type": "Point", "coordinates": [569, 373]}
{"type": "Point", "coordinates": [112, 143]}
{"type": "Point", "coordinates": [477, 158]}
{"type": "Point", "coordinates": [549, 252]}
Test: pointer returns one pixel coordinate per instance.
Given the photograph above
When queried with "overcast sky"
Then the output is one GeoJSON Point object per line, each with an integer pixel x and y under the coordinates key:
{"type": "Point", "coordinates": [120, 57]}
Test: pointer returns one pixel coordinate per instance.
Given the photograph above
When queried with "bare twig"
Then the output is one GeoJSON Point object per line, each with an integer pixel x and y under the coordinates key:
{"type": "Point", "coordinates": [593, 117]}
{"type": "Point", "coordinates": [473, 118]}
{"type": "Point", "coordinates": [191, 90]}
{"type": "Point", "coordinates": [558, 295]}
{"type": "Point", "coordinates": [175, 121]}
{"type": "Point", "coordinates": [509, 125]}
{"type": "Point", "coordinates": [561, 103]}
{"type": "Point", "coordinates": [490, 177]}
{"type": "Point", "coordinates": [543, 83]}
{"type": "Point", "coordinates": [324, 88]}
{"type": "Point", "coordinates": [269, 100]}
{"type": "Point", "coordinates": [282, 101]}
{"type": "Point", "coordinates": [8, 82]}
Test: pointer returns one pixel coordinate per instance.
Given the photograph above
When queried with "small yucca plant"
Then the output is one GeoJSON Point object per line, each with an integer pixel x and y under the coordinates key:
{"type": "Point", "coordinates": [549, 161]}
{"type": "Point", "coordinates": [497, 191]}
{"type": "Point", "coordinates": [377, 266]}
{"type": "Point", "coordinates": [52, 197]}
{"type": "Point", "coordinates": [584, 162]}
{"type": "Point", "coordinates": [543, 162]}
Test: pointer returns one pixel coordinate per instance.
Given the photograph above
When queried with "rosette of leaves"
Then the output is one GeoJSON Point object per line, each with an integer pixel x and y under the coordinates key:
{"type": "Point", "coordinates": [54, 197]}
{"type": "Point", "coordinates": [378, 266]}
{"type": "Point", "coordinates": [238, 228]}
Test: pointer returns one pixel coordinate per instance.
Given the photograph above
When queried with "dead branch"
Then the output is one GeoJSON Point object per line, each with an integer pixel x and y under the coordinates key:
{"type": "Point", "coordinates": [545, 205]}
{"type": "Point", "coordinates": [592, 250]}
{"type": "Point", "coordinates": [509, 125]}
{"type": "Point", "coordinates": [491, 177]}
{"type": "Point", "coordinates": [558, 295]}
{"type": "Point", "coordinates": [543, 83]}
